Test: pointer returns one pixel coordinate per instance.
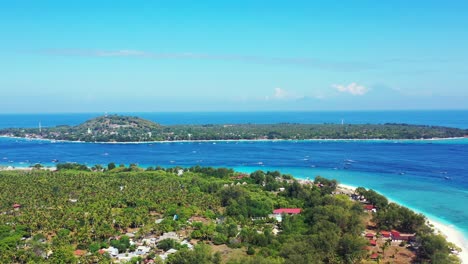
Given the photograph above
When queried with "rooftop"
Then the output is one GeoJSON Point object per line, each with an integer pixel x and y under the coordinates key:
{"type": "Point", "coordinates": [287, 211]}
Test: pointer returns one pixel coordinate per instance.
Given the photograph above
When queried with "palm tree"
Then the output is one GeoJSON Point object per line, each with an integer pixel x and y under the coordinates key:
{"type": "Point", "coordinates": [386, 245]}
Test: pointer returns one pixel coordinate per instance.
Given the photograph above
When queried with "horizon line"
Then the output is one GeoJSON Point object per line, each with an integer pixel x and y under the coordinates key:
{"type": "Point", "coordinates": [240, 111]}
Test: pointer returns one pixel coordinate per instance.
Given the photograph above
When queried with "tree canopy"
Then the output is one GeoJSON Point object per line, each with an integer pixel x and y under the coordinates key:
{"type": "Point", "coordinates": [72, 208]}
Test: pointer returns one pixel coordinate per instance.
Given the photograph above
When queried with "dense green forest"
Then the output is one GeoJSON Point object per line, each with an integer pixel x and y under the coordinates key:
{"type": "Point", "coordinates": [116, 128]}
{"type": "Point", "coordinates": [46, 215]}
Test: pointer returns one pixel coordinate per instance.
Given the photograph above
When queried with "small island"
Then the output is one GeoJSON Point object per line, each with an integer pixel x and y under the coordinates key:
{"type": "Point", "coordinates": [117, 128]}
{"type": "Point", "coordinates": [128, 214]}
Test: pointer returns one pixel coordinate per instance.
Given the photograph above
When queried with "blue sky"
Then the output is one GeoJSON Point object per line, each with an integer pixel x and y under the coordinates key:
{"type": "Point", "coordinates": [92, 56]}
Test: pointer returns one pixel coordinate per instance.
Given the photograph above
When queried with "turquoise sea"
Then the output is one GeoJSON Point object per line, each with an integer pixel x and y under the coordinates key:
{"type": "Point", "coordinates": [429, 176]}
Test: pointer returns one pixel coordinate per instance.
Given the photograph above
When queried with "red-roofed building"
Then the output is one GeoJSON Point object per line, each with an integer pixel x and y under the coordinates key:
{"type": "Point", "coordinates": [395, 233]}
{"type": "Point", "coordinates": [385, 233]}
{"type": "Point", "coordinates": [240, 176]}
{"type": "Point", "coordinates": [287, 211]}
{"type": "Point", "coordinates": [79, 252]}
{"type": "Point", "coordinates": [373, 243]}
{"type": "Point", "coordinates": [369, 235]}
{"type": "Point", "coordinates": [16, 206]}
{"type": "Point", "coordinates": [278, 213]}
{"type": "Point", "coordinates": [370, 208]}
{"type": "Point", "coordinates": [401, 238]}
{"type": "Point", "coordinates": [374, 256]}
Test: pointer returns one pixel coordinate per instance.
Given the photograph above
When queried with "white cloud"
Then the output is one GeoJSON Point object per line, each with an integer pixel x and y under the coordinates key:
{"type": "Point", "coordinates": [300, 61]}
{"type": "Point", "coordinates": [281, 94]}
{"type": "Point", "coordinates": [352, 88]}
{"type": "Point", "coordinates": [119, 53]}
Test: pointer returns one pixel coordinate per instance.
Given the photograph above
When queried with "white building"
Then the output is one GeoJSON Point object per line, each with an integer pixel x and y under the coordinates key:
{"type": "Point", "coordinates": [113, 251]}
{"type": "Point", "coordinates": [169, 235]}
{"type": "Point", "coordinates": [165, 255]}
{"type": "Point", "coordinates": [189, 246]}
{"type": "Point", "coordinates": [141, 250]}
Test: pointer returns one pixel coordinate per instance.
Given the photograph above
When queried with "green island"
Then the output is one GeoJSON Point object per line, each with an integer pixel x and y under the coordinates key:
{"type": "Point", "coordinates": [119, 213]}
{"type": "Point", "coordinates": [116, 128]}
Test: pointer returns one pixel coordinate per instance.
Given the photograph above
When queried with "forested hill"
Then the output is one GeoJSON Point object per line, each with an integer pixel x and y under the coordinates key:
{"type": "Point", "coordinates": [116, 128]}
{"type": "Point", "coordinates": [108, 128]}
{"type": "Point", "coordinates": [116, 122]}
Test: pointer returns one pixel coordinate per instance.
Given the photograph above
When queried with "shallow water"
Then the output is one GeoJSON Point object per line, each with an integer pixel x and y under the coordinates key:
{"type": "Point", "coordinates": [430, 176]}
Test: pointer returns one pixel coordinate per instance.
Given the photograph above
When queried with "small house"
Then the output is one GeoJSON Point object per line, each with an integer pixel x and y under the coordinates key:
{"type": "Point", "coordinates": [395, 233]}
{"type": "Point", "coordinates": [130, 235]}
{"type": "Point", "coordinates": [141, 250]}
{"type": "Point", "coordinates": [171, 251]}
{"type": "Point", "coordinates": [386, 234]}
{"type": "Point", "coordinates": [165, 255]}
{"type": "Point", "coordinates": [189, 246]}
{"type": "Point", "coordinates": [289, 211]}
{"type": "Point", "coordinates": [278, 213]}
{"type": "Point", "coordinates": [148, 242]}
{"type": "Point", "coordinates": [169, 235]}
{"type": "Point", "coordinates": [401, 238]}
{"type": "Point", "coordinates": [370, 208]}
{"type": "Point", "coordinates": [113, 251]}
{"type": "Point", "coordinates": [79, 252]}
{"type": "Point", "coordinates": [373, 243]}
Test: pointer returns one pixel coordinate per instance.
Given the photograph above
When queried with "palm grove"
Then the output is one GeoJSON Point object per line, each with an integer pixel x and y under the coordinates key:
{"type": "Point", "coordinates": [76, 208]}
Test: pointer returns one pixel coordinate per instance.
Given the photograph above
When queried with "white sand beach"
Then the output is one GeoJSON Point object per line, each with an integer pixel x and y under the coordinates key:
{"type": "Point", "coordinates": [448, 231]}
{"type": "Point", "coordinates": [452, 235]}
{"type": "Point", "coordinates": [243, 140]}
{"type": "Point", "coordinates": [12, 168]}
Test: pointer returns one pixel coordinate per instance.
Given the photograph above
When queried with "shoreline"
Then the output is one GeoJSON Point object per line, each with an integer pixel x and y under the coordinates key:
{"type": "Point", "coordinates": [240, 140]}
{"type": "Point", "coordinates": [447, 230]}
{"type": "Point", "coordinates": [13, 168]}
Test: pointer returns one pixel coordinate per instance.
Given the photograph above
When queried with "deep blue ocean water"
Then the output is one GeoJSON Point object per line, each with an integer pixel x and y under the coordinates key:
{"type": "Point", "coordinates": [429, 176]}
{"type": "Point", "coordinates": [442, 118]}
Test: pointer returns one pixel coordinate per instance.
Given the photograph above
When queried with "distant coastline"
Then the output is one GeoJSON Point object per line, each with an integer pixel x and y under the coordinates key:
{"type": "Point", "coordinates": [239, 140]}
{"type": "Point", "coordinates": [131, 129]}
